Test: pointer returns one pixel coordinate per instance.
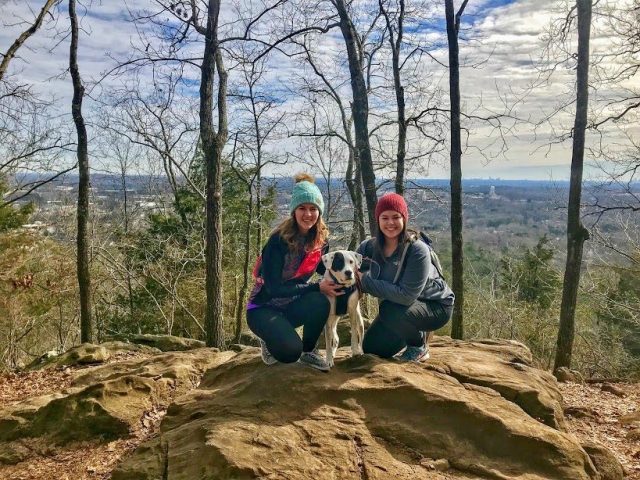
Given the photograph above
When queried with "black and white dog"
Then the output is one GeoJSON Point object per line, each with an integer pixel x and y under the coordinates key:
{"type": "Point", "coordinates": [341, 267]}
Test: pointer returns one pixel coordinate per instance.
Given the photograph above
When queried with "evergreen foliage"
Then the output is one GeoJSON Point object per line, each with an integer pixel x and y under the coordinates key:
{"type": "Point", "coordinates": [532, 276]}
{"type": "Point", "coordinates": [12, 217]}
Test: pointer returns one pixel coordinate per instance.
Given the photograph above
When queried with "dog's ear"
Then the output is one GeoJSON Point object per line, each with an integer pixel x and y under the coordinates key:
{"type": "Point", "coordinates": [358, 258]}
{"type": "Point", "coordinates": [365, 266]}
{"type": "Point", "coordinates": [327, 259]}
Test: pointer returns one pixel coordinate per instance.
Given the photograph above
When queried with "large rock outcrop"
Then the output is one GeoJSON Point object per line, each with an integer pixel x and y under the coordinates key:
{"type": "Point", "coordinates": [503, 366]}
{"type": "Point", "coordinates": [368, 418]}
{"type": "Point", "coordinates": [165, 343]}
{"type": "Point", "coordinates": [89, 354]}
{"type": "Point", "coordinates": [105, 402]}
{"type": "Point", "coordinates": [475, 410]}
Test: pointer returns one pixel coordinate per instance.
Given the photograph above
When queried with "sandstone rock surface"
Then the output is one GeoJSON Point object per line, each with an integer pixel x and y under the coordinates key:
{"type": "Point", "coordinates": [165, 343]}
{"type": "Point", "coordinates": [475, 410]}
{"type": "Point", "coordinates": [605, 462]}
{"type": "Point", "coordinates": [88, 354]}
{"type": "Point", "coordinates": [105, 401]}
{"type": "Point", "coordinates": [368, 418]}
{"type": "Point", "coordinates": [505, 367]}
{"type": "Point", "coordinates": [564, 374]}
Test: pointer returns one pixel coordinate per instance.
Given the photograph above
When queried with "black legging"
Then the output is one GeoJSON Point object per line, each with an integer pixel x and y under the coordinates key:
{"type": "Point", "coordinates": [397, 326]}
{"type": "Point", "coordinates": [277, 327]}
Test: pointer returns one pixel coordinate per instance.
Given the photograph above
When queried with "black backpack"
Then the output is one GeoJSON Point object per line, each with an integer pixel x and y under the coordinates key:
{"type": "Point", "coordinates": [435, 261]}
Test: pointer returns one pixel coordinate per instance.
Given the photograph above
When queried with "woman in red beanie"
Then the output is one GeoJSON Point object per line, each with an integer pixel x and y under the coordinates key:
{"type": "Point", "coordinates": [414, 298]}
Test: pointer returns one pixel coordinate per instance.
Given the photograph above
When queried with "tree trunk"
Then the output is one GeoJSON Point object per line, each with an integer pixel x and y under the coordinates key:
{"type": "Point", "coordinates": [457, 284]}
{"type": "Point", "coordinates": [354, 182]}
{"type": "Point", "coordinates": [259, 227]}
{"type": "Point", "coordinates": [359, 205]}
{"type": "Point", "coordinates": [396, 44]}
{"type": "Point", "coordinates": [352, 185]}
{"type": "Point", "coordinates": [213, 143]}
{"type": "Point", "coordinates": [258, 137]}
{"type": "Point", "coordinates": [245, 271]}
{"type": "Point", "coordinates": [127, 258]}
{"type": "Point", "coordinates": [82, 240]}
{"type": "Point", "coordinates": [576, 233]}
{"type": "Point", "coordinates": [360, 108]}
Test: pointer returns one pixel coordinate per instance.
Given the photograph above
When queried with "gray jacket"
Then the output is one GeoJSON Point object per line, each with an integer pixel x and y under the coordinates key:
{"type": "Point", "coordinates": [419, 279]}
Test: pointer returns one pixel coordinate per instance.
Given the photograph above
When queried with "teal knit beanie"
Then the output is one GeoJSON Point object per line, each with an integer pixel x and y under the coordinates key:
{"type": "Point", "coordinates": [305, 191]}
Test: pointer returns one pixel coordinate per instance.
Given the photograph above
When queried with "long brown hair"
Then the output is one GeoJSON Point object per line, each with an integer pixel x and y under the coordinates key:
{"type": "Point", "coordinates": [315, 238]}
{"type": "Point", "coordinates": [379, 241]}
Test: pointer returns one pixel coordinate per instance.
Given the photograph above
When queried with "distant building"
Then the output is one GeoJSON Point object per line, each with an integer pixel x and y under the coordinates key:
{"type": "Point", "coordinates": [492, 193]}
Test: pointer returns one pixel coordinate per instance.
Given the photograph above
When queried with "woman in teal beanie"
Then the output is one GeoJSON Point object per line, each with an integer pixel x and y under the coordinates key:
{"type": "Point", "coordinates": [282, 298]}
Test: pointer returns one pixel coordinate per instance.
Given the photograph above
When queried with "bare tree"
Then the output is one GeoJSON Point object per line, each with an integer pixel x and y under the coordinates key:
{"type": "Point", "coordinates": [248, 180]}
{"type": "Point", "coordinates": [619, 65]}
{"type": "Point", "coordinates": [258, 120]}
{"type": "Point", "coordinates": [395, 34]}
{"type": "Point", "coordinates": [577, 234]}
{"type": "Point", "coordinates": [212, 143]}
{"type": "Point", "coordinates": [32, 141]}
{"type": "Point", "coordinates": [162, 122]}
{"type": "Point", "coordinates": [23, 37]}
{"type": "Point", "coordinates": [84, 277]}
{"type": "Point", "coordinates": [457, 265]}
{"type": "Point", "coordinates": [262, 125]}
{"type": "Point", "coordinates": [318, 124]}
{"type": "Point", "coordinates": [122, 154]}
{"type": "Point", "coordinates": [617, 109]}
{"type": "Point", "coordinates": [360, 108]}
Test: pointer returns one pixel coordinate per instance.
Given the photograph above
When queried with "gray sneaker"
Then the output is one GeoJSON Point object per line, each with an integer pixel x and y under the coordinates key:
{"type": "Point", "coordinates": [267, 358]}
{"type": "Point", "coordinates": [315, 360]}
{"type": "Point", "coordinates": [415, 354]}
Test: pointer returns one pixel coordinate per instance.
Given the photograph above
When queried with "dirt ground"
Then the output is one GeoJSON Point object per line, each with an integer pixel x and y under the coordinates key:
{"type": "Point", "coordinates": [597, 417]}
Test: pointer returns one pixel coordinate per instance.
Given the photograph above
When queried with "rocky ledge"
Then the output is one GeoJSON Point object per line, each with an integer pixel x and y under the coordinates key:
{"type": "Point", "coordinates": [475, 410]}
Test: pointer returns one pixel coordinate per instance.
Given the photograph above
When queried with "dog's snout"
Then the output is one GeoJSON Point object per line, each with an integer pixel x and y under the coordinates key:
{"type": "Point", "coordinates": [348, 273]}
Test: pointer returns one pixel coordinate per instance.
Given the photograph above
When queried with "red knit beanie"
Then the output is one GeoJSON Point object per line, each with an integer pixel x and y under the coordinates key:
{"type": "Point", "coordinates": [395, 202]}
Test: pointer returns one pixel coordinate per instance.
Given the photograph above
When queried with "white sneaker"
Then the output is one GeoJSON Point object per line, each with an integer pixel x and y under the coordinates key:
{"type": "Point", "coordinates": [314, 360]}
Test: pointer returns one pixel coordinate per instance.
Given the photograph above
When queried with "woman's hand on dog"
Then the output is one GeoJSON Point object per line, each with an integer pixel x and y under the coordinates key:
{"type": "Point", "coordinates": [331, 289]}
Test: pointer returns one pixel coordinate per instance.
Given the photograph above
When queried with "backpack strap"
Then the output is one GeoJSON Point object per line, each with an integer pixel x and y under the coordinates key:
{"type": "Point", "coordinates": [407, 244]}
{"type": "Point", "coordinates": [435, 261]}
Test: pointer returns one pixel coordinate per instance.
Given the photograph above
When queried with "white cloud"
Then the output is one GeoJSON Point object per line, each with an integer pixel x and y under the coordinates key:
{"type": "Point", "coordinates": [507, 37]}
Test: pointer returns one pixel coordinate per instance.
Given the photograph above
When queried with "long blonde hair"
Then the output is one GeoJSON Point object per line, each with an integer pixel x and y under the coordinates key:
{"type": "Point", "coordinates": [316, 238]}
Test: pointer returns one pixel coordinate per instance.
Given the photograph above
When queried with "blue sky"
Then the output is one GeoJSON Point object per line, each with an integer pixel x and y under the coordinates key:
{"type": "Point", "coordinates": [511, 44]}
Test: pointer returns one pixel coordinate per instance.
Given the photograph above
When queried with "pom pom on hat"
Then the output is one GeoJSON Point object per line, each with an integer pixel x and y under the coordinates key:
{"type": "Point", "coordinates": [305, 191]}
{"type": "Point", "coordinates": [304, 177]}
{"type": "Point", "coordinates": [392, 201]}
